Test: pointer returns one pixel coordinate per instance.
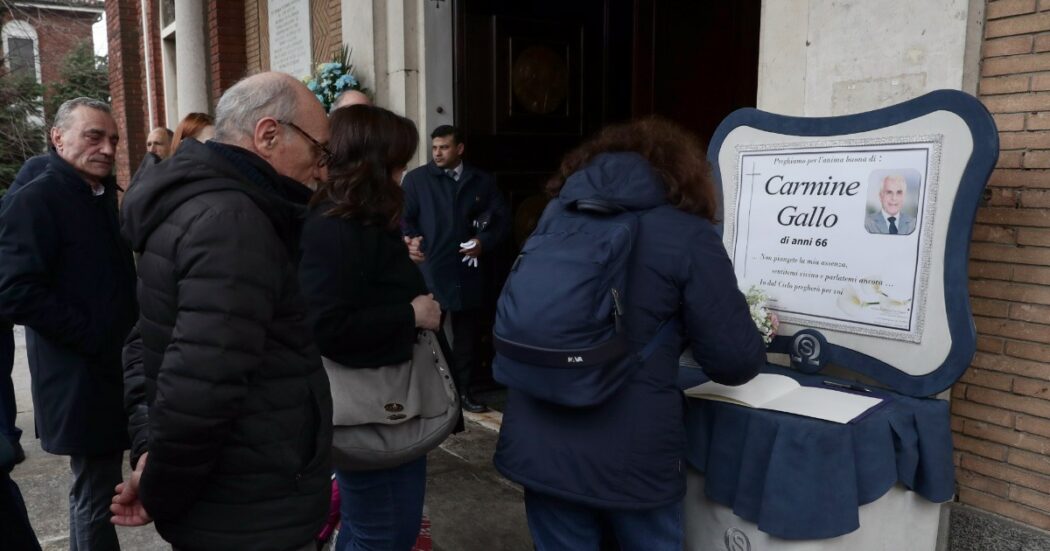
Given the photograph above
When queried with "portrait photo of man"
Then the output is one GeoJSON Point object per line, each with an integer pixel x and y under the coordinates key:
{"type": "Point", "coordinates": [895, 212]}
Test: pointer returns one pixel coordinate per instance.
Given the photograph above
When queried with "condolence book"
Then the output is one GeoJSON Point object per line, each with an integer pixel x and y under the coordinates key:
{"type": "Point", "coordinates": [782, 393]}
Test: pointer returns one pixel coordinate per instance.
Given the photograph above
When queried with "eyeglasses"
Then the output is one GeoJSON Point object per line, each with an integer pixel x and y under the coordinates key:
{"type": "Point", "coordinates": [326, 154]}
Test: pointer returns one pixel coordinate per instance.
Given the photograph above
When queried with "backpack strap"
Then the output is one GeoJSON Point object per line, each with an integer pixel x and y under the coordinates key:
{"type": "Point", "coordinates": [585, 357]}
{"type": "Point", "coordinates": [667, 329]}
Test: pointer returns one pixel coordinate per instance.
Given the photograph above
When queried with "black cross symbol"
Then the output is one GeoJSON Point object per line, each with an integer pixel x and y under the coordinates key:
{"type": "Point", "coordinates": [752, 174]}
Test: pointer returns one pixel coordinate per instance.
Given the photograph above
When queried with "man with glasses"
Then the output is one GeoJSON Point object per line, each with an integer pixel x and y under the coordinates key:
{"type": "Point", "coordinates": [229, 407]}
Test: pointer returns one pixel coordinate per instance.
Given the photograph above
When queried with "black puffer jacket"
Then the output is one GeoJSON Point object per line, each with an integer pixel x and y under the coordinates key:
{"type": "Point", "coordinates": [239, 409]}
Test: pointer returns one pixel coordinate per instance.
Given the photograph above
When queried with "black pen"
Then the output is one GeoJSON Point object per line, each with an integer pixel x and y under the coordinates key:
{"type": "Point", "coordinates": [848, 386]}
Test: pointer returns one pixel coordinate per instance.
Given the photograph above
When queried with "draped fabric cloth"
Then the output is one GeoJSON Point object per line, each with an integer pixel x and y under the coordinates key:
{"type": "Point", "coordinates": [802, 478]}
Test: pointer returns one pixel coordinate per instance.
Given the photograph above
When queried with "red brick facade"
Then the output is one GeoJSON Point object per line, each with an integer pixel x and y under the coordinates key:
{"type": "Point", "coordinates": [127, 84]}
{"type": "Point", "coordinates": [226, 33]}
{"type": "Point", "coordinates": [58, 34]}
{"type": "Point", "coordinates": [1001, 407]}
{"type": "Point", "coordinates": [226, 27]}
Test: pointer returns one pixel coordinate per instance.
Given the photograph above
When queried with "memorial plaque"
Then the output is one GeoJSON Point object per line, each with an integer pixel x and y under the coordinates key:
{"type": "Point", "coordinates": [857, 228]}
{"type": "Point", "coordinates": [290, 37]}
{"type": "Point", "coordinates": [837, 233]}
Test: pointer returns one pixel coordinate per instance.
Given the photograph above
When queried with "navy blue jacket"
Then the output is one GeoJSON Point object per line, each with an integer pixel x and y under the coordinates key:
{"type": "Point", "coordinates": [443, 211]}
{"type": "Point", "coordinates": [628, 452]}
{"type": "Point", "coordinates": [68, 276]}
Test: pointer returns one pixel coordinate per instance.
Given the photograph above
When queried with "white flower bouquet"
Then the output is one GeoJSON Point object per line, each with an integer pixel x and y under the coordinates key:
{"type": "Point", "coordinates": [765, 319]}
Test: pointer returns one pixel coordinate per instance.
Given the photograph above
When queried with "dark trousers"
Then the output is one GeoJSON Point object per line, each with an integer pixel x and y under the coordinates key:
{"type": "Point", "coordinates": [8, 412]}
{"type": "Point", "coordinates": [466, 328]}
{"type": "Point", "coordinates": [309, 546]}
{"type": "Point", "coordinates": [15, 530]}
{"type": "Point", "coordinates": [381, 509]}
{"type": "Point", "coordinates": [94, 480]}
{"type": "Point", "coordinates": [557, 524]}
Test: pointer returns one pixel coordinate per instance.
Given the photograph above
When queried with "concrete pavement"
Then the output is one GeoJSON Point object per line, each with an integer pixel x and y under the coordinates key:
{"type": "Point", "coordinates": [471, 508]}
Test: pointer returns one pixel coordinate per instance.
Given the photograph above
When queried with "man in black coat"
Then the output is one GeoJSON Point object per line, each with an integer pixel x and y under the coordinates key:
{"type": "Point", "coordinates": [454, 216]}
{"type": "Point", "coordinates": [230, 406]}
{"type": "Point", "coordinates": [67, 275]}
{"type": "Point", "coordinates": [32, 168]}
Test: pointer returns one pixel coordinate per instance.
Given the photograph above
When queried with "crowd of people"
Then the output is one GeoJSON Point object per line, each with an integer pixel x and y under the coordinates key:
{"type": "Point", "coordinates": [187, 323]}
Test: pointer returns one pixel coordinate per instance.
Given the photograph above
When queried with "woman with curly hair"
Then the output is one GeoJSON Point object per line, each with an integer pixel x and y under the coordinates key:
{"type": "Point", "coordinates": [366, 301]}
{"type": "Point", "coordinates": [620, 463]}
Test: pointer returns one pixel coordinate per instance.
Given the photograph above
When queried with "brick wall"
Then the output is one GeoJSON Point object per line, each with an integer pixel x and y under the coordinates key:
{"type": "Point", "coordinates": [226, 27]}
{"type": "Point", "coordinates": [58, 34]}
{"type": "Point", "coordinates": [1001, 407]}
{"type": "Point", "coordinates": [127, 83]}
{"type": "Point", "coordinates": [257, 40]}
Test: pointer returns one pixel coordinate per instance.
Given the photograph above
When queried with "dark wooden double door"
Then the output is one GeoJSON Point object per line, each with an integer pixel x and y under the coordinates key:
{"type": "Point", "coordinates": [535, 78]}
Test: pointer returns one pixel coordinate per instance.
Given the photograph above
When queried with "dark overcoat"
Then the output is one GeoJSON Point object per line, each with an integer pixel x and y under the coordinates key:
{"type": "Point", "coordinates": [446, 213]}
{"type": "Point", "coordinates": [68, 276]}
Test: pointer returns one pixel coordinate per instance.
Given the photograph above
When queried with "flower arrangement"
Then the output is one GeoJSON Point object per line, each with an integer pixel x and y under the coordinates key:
{"type": "Point", "coordinates": [765, 319]}
{"type": "Point", "coordinates": [854, 300]}
{"type": "Point", "coordinates": [333, 78]}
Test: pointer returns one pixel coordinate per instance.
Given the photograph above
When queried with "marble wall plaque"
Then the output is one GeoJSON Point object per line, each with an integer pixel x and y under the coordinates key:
{"type": "Point", "coordinates": [290, 37]}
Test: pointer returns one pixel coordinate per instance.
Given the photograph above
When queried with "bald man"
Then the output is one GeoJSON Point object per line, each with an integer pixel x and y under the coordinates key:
{"type": "Point", "coordinates": [158, 142]}
{"type": "Point", "coordinates": [230, 413]}
{"type": "Point", "coordinates": [891, 219]}
{"type": "Point", "coordinates": [351, 97]}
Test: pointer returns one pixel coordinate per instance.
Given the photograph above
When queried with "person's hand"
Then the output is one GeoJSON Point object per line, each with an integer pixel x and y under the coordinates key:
{"type": "Point", "coordinates": [428, 312]}
{"type": "Point", "coordinates": [415, 251]}
{"type": "Point", "coordinates": [472, 251]}
{"type": "Point", "coordinates": [127, 508]}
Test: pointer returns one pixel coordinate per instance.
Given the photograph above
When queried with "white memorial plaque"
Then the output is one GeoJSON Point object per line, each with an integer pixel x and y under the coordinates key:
{"type": "Point", "coordinates": [838, 233]}
{"type": "Point", "coordinates": [290, 37]}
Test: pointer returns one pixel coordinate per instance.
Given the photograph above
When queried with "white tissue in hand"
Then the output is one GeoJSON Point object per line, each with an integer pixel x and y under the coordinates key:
{"type": "Point", "coordinates": [468, 244]}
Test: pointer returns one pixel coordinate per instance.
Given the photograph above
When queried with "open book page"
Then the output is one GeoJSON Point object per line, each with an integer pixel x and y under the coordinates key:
{"type": "Point", "coordinates": [782, 393]}
{"type": "Point", "coordinates": [822, 403]}
{"type": "Point", "coordinates": [763, 388]}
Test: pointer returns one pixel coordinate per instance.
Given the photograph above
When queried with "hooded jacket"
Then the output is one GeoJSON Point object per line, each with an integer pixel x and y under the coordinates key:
{"type": "Point", "coordinates": [627, 452]}
{"type": "Point", "coordinates": [225, 387]}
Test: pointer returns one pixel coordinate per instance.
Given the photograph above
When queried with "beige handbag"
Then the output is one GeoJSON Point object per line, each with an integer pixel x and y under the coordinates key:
{"type": "Point", "coordinates": [387, 416]}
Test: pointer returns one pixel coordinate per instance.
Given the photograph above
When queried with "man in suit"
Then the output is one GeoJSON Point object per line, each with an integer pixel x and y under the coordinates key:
{"type": "Point", "coordinates": [891, 219]}
{"type": "Point", "coordinates": [454, 216]}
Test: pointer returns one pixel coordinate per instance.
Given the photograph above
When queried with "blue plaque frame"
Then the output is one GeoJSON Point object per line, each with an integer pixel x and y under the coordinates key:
{"type": "Point", "coordinates": [957, 241]}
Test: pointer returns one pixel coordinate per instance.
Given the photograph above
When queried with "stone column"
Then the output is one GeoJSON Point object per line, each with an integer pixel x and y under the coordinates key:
{"type": "Point", "coordinates": [387, 40]}
{"type": "Point", "coordinates": [191, 57]}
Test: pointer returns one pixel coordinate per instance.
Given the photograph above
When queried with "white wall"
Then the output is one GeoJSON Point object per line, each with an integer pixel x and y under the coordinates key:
{"type": "Point", "coordinates": [393, 43]}
{"type": "Point", "coordinates": [835, 57]}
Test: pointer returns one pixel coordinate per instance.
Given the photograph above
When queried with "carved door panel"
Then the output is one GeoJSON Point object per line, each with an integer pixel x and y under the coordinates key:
{"type": "Point", "coordinates": [532, 80]}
